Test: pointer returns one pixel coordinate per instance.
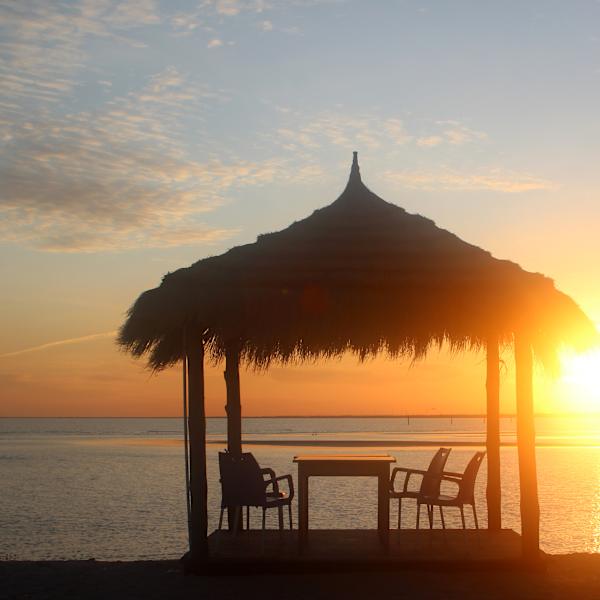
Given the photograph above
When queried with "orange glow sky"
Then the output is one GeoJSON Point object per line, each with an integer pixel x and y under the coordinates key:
{"type": "Point", "coordinates": [137, 138]}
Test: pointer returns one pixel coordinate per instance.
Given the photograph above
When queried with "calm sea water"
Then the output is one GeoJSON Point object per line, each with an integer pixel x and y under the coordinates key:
{"type": "Point", "coordinates": [114, 488]}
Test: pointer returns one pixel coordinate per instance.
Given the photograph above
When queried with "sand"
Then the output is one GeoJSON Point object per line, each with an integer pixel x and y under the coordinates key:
{"type": "Point", "coordinates": [569, 577]}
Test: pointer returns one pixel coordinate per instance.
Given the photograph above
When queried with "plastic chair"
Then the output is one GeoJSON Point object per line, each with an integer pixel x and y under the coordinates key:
{"type": "Point", "coordinates": [465, 493]}
{"type": "Point", "coordinates": [430, 484]}
{"type": "Point", "coordinates": [245, 483]}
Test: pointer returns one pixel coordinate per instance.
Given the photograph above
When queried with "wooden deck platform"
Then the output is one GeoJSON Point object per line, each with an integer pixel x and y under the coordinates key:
{"type": "Point", "coordinates": [361, 549]}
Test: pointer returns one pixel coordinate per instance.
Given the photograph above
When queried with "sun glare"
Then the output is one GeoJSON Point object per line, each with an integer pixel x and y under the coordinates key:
{"type": "Point", "coordinates": [580, 380]}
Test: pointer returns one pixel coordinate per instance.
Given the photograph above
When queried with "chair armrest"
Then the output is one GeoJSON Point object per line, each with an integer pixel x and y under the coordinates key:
{"type": "Point", "coordinates": [455, 480]}
{"type": "Point", "coordinates": [407, 472]}
{"type": "Point", "coordinates": [452, 474]}
{"type": "Point", "coordinates": [290, 483]}
{"type": "Point", "coordinates": [271, 479]}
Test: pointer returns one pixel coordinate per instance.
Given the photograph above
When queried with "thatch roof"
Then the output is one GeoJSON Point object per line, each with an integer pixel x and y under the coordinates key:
{"type": "Point", "coordinates": [359, 275]}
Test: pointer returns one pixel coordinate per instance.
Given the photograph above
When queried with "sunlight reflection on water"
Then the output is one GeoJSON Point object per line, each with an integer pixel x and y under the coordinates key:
{"type": "Point", "coordinates": [595, 513]}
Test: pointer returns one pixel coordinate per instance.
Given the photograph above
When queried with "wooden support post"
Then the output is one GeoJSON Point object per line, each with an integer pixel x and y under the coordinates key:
{"type": "Point", "coordinates": [493, 492]}
{"type": "Point", "coordinates": [197, 441]}
{"type": "Point", "coordinates": [530, 511]}
{"type": "Point", "coordinates": [233, 408]}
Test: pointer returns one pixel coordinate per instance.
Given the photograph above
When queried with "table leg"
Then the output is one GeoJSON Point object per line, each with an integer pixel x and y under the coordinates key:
{"type": "Point", "coordinates": [302, 508]}
{"type": "Point", "coordinates": [383, 507]}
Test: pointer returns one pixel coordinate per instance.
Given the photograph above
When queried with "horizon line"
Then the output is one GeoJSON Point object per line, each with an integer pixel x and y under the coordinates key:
{"type": "Point", "coordinates": [345, 416]}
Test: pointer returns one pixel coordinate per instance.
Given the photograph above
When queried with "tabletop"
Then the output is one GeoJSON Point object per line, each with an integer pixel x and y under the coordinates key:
{"type": "Point", "coordinates": [345, 458]}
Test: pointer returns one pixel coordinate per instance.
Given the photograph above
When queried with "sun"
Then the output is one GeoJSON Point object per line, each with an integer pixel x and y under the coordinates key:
{"type": "Point", "coordinates": [580, 380]}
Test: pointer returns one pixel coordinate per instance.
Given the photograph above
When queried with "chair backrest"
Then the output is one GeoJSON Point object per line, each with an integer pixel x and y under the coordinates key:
{"type": "Point", "coordinates": [242, 483]}
{"type": "Point", "coordinates": [430, 484]}
{"type": "Point", "coordinates": [466, 490]}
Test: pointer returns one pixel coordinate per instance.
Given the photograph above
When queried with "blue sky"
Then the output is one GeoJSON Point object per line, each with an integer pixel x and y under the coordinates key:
{"type": "Point", "coordinates": [139, 136]}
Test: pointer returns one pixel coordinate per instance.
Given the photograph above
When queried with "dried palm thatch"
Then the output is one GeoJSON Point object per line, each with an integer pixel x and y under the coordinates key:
{"type": "Point", "coordinates": [360, 275]}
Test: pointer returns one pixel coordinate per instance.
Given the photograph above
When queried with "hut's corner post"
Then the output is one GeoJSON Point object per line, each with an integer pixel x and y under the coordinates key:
{"type": "Point", "coordinates": [493, 491]}
{"type": "Point", "coordinates": [197, 441]}
{"type": "Point", "coordinates": [530, 512]}
{"type": "Point", "coordinates": [233, 408]}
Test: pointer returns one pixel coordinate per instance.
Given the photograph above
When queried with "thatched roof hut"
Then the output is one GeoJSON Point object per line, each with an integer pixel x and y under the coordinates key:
{"type": "Point", "coordinates": [360, 275]}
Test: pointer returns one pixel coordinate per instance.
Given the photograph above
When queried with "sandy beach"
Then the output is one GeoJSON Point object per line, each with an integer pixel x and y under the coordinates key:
{"type": "Point", "coordinates": [574, 576]}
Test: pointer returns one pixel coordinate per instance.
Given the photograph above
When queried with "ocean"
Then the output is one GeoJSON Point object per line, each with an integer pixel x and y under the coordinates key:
{"type": "Point", "coordinates": [114, 488]}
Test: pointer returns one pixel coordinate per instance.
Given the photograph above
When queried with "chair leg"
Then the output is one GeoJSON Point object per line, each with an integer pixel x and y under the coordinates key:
{"type": "Point", "coordinates": [290, 514]}
{"type": "Point", "coordinates": [475, 516]}
{"type": "Point", "coordinates": [444, 536]}
{"type": "Point", "coordinates": [418, 513]}
{"type": "Point", "coordinates": [247, 517]}
{"type": "Point", "coordinates": [221, 518]}
{"type": "Point", "coordinates": [280, 516]}
{"type": "Point", "coordinates": [399, 513]}
{"type": "Point", "coordinates": [430, 515]}
{"type": "Point", "coordinates": [264, 518]}
{"type": "Point", "coordinates": [462, 515]}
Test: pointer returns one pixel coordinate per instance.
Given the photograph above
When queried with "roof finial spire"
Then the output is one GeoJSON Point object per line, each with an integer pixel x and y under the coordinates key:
{"type": "Point", "coordinates": [355, 170]}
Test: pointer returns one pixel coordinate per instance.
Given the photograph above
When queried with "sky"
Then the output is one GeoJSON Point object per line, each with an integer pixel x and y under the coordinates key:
{"type": "Point", "coordinates": [137, 137]}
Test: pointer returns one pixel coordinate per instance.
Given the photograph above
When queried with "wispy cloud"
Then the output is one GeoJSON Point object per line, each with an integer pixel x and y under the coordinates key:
{"type": "Point", "coordinates": [42, 42]}
{"type": "Point", "coordinates": [213, 16]}
{"type": "Point", "coordinates": [368, 130]}
{"type": "Point", "coordinates": [232, 7]}
{"type": "Point", "coordinates": [121, 171]}
{"type": "Point", "coordinates": [120, 176]}
{"type": "Point", "coordinates": [457, 133]}
{"type": "Point", "coordinates": [453, 133]}
{"type": "Point", "coordinates": [78, 340]}
{"type": "Point", "coordinates": [185, 23]}
{"type": "Point", "coordinates": [334, 129]}
{"type": "Point", "coordinates": [124, 170]}
{"type": "Point", "coordinates": [447, 179]}
{"type": "Point", "coordinates": [430, 141]}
